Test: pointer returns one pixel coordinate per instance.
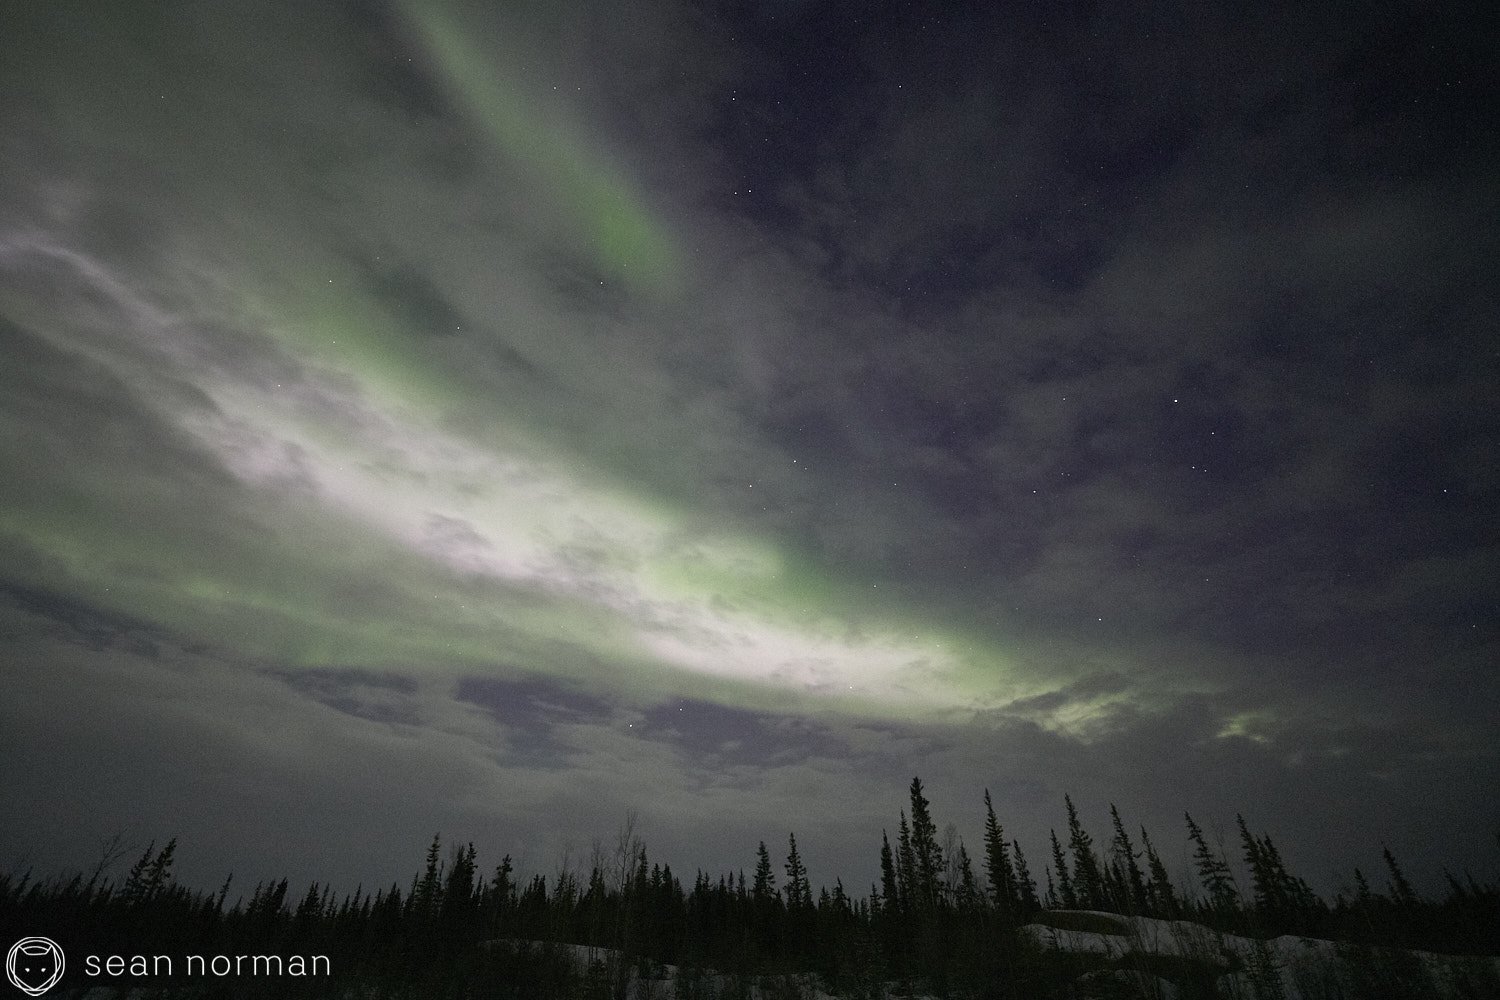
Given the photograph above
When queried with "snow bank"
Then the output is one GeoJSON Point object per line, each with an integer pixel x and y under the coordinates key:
{"type": "Point", "coordinates": [1303, 966]}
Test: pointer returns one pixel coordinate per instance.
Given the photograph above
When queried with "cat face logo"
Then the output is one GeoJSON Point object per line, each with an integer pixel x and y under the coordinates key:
{"type": "Point", "coordinates": [34, 965]}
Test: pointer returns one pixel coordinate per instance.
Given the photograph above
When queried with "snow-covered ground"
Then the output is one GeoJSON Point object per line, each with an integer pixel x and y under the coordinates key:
{"type": "Point", "coordinates": [1300, 965]}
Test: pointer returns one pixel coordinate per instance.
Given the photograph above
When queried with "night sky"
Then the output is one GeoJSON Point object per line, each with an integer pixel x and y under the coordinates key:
{"type": "Point", "coordinates": [492, 418]}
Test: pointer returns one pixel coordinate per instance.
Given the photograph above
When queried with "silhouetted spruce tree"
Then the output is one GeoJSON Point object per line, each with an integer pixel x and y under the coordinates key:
{"type": "Point", "coordinates": [532, 909]}
{"type": "Point", "coordinates": [135, 880]}
{"type": "Point", "coordinates": [968, 897]}
{"type": "Point", "coordinates": [224, 892]}
{"type": "Point", "coordinates": [1364, 909]}
{"type": "Point", "coordinates": [927, 853]}
{"type": "Point", "coordinates": [1400, 889]}
{"type": "Point", "coordinates": [151, 875]}
{"type": "Point", "coordinates": [1115, 890]}
{"type": "Point", "coordinates": [890, 896]}
{"type": "Point", "coordinates": [1264, 888]}
{"type": "Point", "coordinates": [308, 911]}
{"type": "Point", "coordinates": [893, 927]}
{"type": "Point", "coordinates": [1065, 893]}
{"type": "Point", "coordinates": [500, 900]}
{"type": "Point", "coordinates": [1456, 889]}
{"type": "Point", "coordinates": [1298, 902]}
{"type": "Point", "coordinates": [766, 904]}
{"type": "Point", "coordinates": [159, 874]}
{"type": "Point", "coordinates": [1213, 872]}
{"type": "Point", "coordinates": [798, 891]}
{"type": "Point", "coordinates": [427, 894]}
{"type": "Point", "coordinates": [1163, 898]}
{"type": "Point", "coordinates": [765, 881]}
{"type": "Point", "coordinates": [1088, 882]}
{"type": "Point", "coordinates": [997, 866]}
{"type": "Point", "coordinates": [268, 902]}
{"type": "Point", "coordinates": [1280, 900]}
{"type": "Point", "coordinates": [1025, 885]}
{"type": "Point", "coordinates": [457, 908]}
{"type": "Point", "coordinates": [1363, 894]}
{"type": "Point", "coordinates": [906, 867]}
{"type": "Point", "coordinates": [1129, 871]}
{"type": "Point", "coordinates": [841, 899]}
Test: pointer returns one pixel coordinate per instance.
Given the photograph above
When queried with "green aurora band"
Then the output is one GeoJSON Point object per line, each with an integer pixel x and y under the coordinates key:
{"type": "Point", "coordinates": [621, 235]}
{"type": "Point", "coordinates": [344, 571]}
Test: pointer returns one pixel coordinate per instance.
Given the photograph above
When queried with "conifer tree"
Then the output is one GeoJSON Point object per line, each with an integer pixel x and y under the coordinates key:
{"type": "Point", "coordinates": [159, 875]}
{"type": "Point", "coordinates": [1129, 871]}
{"type": "Point", "coordinates": [798, 891]}
{"type": "Point", "coordinates": [501, 899]}
{"type": "Point", "coordinates": [924, 843]}
{"type": "Point", "coordinates": [309, 909]}
{"type": "Point", "coordinates": [1115, 893]}
{"type": "Point", "coordinates": [1068, 897]}
{"type": "Point", "coordinates": [1267, 878]}
{"type": "Point", "coordinates": [888, 885]}
{"type": "Point", "coordinates": [765, 881]}
{"type": "Point", "coordinates": [893, 924]}
{"type": "Point", "coordinates": [427, 895]}
{"type": "Point", "coordinates": [969, 897]}
{"type": "Point", "coordinates": [906, 866]}
{"type": "Point", "coordinates": [1163, 897]}
{"type": "Point", "coordinates": [1025, 885]}
{"type": "Point", "coordinates": [997, 865]}
{"type": "Point", "coordinates": [268, 901]}
{"type": "Point", "coordinates": [135, 881]}
{"type": "Point", "coordinates": [1213, 871]}
{"type": "Point", "coordinates": [1456, 890]}
{"type": "Point", "coordinates": [1401, 890]}
{"type": "Point", "coordinates": [458, 890]}
{"type": "Point", "coordinates": [1296, 900]}
{"type": "Point", "coordinates": [224, 892]}
{"type": "Point", "coordinates": [1088, 882]}
{"type": "Point", "coordinates": [151, 875]}
{"type": "Point", "coordinates": [1279, 898]}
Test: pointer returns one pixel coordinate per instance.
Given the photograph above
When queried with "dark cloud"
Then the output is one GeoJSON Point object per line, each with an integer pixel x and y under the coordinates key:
{"type": "Point", "coordinates": [413, 299]}
{"type": "Point", "coordinates": [365, 694]}
{"type": "Point", "coordinates": [81, 623]}
{"type": "Point", "coordinates": [717, 736]}
{"type": "Point", "coordinates": [391, 69]}
{"type": "Point", "coordinates": [535, 716]}
{"type": "Point", "coordinates": [534, 705]}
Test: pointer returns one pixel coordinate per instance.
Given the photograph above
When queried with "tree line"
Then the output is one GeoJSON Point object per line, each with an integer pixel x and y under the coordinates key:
{"type": "Point", "coordinates": [939, 918]}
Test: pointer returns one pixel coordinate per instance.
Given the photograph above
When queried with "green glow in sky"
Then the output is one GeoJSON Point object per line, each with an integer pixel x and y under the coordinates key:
{"type": "Point", "coordinates": [616, 224]}
{"type": "Point", "coordinates": [385, 538]}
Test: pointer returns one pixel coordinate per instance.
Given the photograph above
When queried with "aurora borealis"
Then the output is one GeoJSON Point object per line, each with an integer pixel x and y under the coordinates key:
{"type": "Point", "coordinates": [495, 418]}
